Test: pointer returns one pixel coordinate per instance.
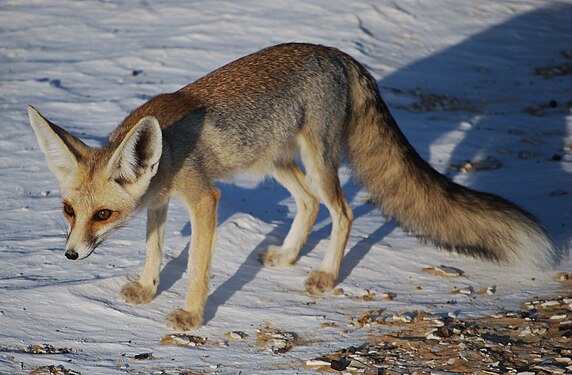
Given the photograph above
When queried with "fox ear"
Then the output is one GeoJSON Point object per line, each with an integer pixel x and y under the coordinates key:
{"type": "Point", "coordinates": [136, 159]}
{"type": "Point", "coordinates": [62, 150]}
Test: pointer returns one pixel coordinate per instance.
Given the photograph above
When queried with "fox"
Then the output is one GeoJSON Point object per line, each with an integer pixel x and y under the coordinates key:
{"type": "Point", "coordinates": [265, 113]}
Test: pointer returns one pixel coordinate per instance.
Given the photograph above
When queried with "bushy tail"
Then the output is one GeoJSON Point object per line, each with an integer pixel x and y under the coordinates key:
{"type": "Point", "coordinates": [427, 203]}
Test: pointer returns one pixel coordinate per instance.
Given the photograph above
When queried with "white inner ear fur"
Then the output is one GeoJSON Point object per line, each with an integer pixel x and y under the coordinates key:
{"type": "Point", "coordinates": [144, 140]}
{"type": "Point", "coordinates": [60, 159]}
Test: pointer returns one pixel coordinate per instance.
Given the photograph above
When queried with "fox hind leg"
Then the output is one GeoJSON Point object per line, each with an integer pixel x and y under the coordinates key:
{"type": "Point", "coordinates": [292, 178]}
{"type": "Point", "coordinates": [322, 177]}
{"type": "Point", "coordinates": [143, 290]}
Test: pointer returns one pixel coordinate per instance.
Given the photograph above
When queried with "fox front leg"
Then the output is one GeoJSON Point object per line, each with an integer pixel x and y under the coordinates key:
{"type": "Point", "coordinates": [143, 290]}
{"type": "Point", "coordinates": [202, 209]}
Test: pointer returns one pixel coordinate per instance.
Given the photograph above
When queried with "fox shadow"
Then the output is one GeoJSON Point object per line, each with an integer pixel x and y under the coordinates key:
{"type": "Point", "coordinates": [486, 75]}
{"type": "Point", "coordinates": [508, 83]}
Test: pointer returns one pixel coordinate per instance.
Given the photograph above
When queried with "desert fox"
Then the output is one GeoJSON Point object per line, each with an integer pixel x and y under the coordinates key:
{"type": "Point", "coordinates": [257, 114]}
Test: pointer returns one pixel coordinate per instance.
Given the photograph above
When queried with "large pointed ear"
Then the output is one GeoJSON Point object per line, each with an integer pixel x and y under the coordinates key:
{"type": "Point", "coordinates": [136, 159]}
{"type": "Point", "coordinates": [62, 150]}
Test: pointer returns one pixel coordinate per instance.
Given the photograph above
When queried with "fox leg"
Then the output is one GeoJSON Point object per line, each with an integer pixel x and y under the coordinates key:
{"type": "Point", "coordinates": [144, 290]}
{"type": "Point", "coordinates": [292, 178]}
{"type": "Point", "coordinates": [322, 177]}
{"type": "Point", "coordinates": [202, 205]}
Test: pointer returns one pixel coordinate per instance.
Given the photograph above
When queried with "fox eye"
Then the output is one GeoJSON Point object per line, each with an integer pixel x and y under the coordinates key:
{"type": "Point", "coordinates": [68, 210]}
{"type": "Point", "coordinates": [102, 215]}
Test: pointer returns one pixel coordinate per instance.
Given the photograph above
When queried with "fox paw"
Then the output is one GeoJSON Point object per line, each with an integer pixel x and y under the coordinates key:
{"type": "Point", "coordinates": [274, 256]}
{"type": "Point", "coordinates": [319, 282]}
{"type": "Point", "coordinates": [181, 320]}
{"type": "Point", "coordinates": [135, 293]}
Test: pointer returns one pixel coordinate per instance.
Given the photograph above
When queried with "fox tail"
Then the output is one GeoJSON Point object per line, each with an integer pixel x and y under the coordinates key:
{"type": "Point", "coordinates": [427, 203]}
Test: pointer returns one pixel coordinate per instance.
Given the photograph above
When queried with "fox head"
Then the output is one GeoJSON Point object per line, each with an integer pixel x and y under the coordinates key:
{"type": "Point", "coordinates": [101, 187]}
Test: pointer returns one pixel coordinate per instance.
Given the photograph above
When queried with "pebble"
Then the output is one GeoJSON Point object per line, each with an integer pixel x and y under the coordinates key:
{"type": "Point", "coordinates": [388, 296]}
{"type": "Point", "coordinates": [525, 332]}
{"type": "Point", "coordinates": [143, 356]}
{"type": "Point", "coordinates": [550, 303]}
{"type": "Point", "coordinates": [182, 339]}
{"type": "Point", "coordinates": [432, 336]}
{"type": "Point", "coordinates": [445, 271]}
{"type": "Point", "coordinates": [436, 349]}
{"type": "Point", "coordinates": [236, 335]}
{"type": "Point", "coordinates": [558, 317]}
{"type": "Point", "coordinates": [465, 125]}
{"type": "Point", "coordinates": [356, 365]}
{"type": "Point", "coordinates": [549, 368]}
{"type": "Point", "coordinates": [317, 362]}
{"type": "Point", "coordinates": [487, 164]}
{"type": "Point", "coordinates": [405, 318]}
{"type": "Point", "coordinates": [439, 323]}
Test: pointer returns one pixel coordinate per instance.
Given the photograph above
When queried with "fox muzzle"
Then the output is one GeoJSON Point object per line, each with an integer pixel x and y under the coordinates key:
{"type": "Point", "coordinates": [72, 254]}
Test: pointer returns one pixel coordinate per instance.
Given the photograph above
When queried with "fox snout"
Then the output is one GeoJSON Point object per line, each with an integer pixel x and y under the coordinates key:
{"type": "Point", "coordinates": [72, 254]}
{"type": "Point", "coordinates": [79, 250]}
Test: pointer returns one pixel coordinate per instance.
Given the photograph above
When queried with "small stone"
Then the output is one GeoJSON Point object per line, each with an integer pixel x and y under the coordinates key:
{"type": "Point", "coordinates": [553, 104]}
{"type": "Point", "coordinates": [355, 365]}
{"type": "Point", "coordinates": [181, 339]}
{"type": "Point", "coordinates": [550, 304]}
{"type": "Point", "coordinates": [143, 356]}
{"type": "Point", "coordinates": [338, 292]}
{"type": "Point", "coordinates": [236, 335]}
{"type": "Point", "coordinates": [549, 368]}
{"type": "Point", "coordinates": [339, 365]}
{"type": "Point", "coordinates": [432, 336]}
{"type": "Point", "coordinates": [405, 318]}
{"type": "Point", "coordinates": [445, 271]}
{"type": "Point", "coordinates": [564, 277]}
{"type": "Point", "coordinates": [439, 323]}
{"type": "Point", "coordinates": [525, 332]}
{"type": "Point", "coordinates": [388, 296]}
{"type": "Point", "coordinates": [317, 362]}
{"type": "Point", "coordinates": [558, 317]}
{"type": "Point", "coordinates": [452, 314]}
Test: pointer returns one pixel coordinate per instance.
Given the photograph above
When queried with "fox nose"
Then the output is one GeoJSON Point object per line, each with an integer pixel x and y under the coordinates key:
{"type": "Point", "coordinates": [71, 254]}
